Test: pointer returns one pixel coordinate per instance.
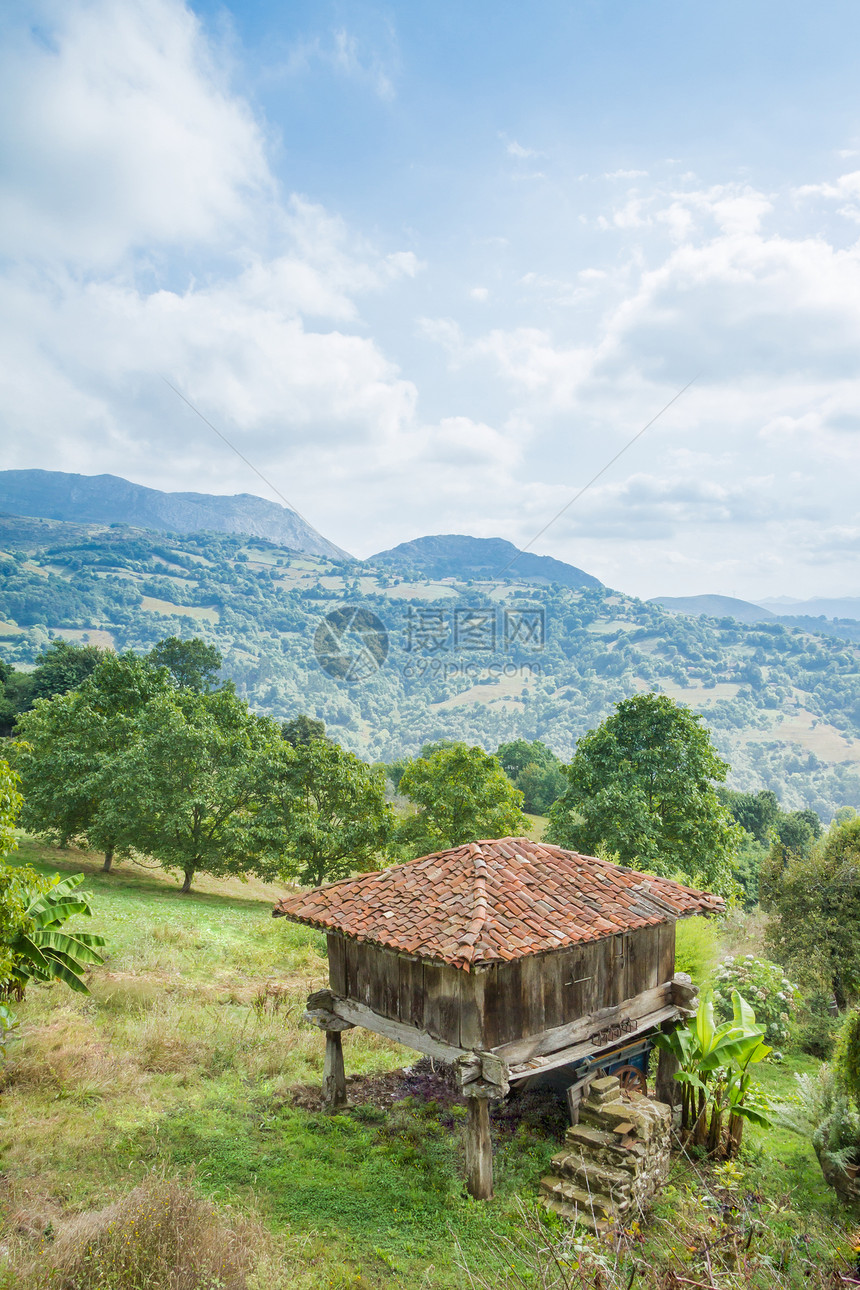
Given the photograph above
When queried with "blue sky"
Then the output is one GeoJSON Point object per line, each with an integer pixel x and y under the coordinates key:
{"type": "Point", "coordinates": [431, 266]}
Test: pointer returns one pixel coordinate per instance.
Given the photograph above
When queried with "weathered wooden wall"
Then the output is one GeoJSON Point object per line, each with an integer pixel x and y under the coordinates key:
{"type": "Point", "coordinates": [505, 1001]}
{"type": "Point", "coordinates": [416, 991]}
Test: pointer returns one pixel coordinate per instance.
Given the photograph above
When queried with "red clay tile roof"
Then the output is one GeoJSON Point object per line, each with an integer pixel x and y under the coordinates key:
{"type": "Point", "coordinates": [485, 901]}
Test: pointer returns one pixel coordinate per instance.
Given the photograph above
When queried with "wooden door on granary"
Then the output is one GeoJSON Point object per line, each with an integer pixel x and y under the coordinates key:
{"type": "Point", "coordinates": [594, 976]}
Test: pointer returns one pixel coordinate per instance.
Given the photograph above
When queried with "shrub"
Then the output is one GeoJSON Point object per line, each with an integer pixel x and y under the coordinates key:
{"type": "Point", "coordinates": [161, 1236]}
{"type": "Point", "coordinates": [818, 1027]}
{"type": "Point", "coordinates": [847, 1058]}
{"type": "Point", "coordinates": [766, 987]}
{"type": "Point", "coordinates": [696, 948]}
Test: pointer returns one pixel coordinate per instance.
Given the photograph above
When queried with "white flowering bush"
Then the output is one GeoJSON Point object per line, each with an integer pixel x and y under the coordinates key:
{"type": "Point", "coordinates": [766, 987]}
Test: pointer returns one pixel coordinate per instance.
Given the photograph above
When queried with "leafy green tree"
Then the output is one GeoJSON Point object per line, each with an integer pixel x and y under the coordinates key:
{"type": "Point", "coordinates": [325, 813]}
{"type": "Point", "coordinates": [462, 795]}
{"type": "Point", "coordinates": [192, 664]}
{"type": "Point", "coordinates": [750, 859]}
{"type": "Point", "coordinates": [535, 770]}
{"type": "Point", "coordinates": [9, 708]}
{"type": "Point", "coordinates": [69, 747]}
{"type": "Point", "coordinates": [303, 729]}
{"type": "Point", "coordinates": [10, 807]}
{"type": "Point", "coordinates": [816, 902]}
{"type": "Point", "coordinates": [437, 745]}
{"type": "Point", "coordinates": [63, 667]}
{"type": "Point", "coordinates": [641, 787]}
{"type": "Point", "coordinates": [799, 831]}
{"type": "Point", "coordinates": [757, 813]}
{"type": "Point", "coordinates": [846, 1059]}
{"type": "Point", "coordinates": [394, 771]}
{"type": "Point", "coordinates": [186, 789]}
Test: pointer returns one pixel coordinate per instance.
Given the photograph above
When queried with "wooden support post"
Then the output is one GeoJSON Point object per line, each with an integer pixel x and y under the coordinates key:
{"type": "Point", "coordinates": [334, 1076]}
{"type": "Point", "coordinates": [667, 1088]}
{"type": "Point", "coordinates": [479, 1150]}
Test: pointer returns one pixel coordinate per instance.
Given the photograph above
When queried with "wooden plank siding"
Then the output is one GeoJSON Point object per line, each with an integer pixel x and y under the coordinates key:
{"type": "Point", "coordinates": [667, 952]}
{"type": "Point", "coordinates": [442, 1001]}
{"type": "Point", "coordinates": [501, 1003]}
{"type": "Point", "coordinates": [643, 960]}
{"type": "Point", "coordinates": [336, 947]}
{"type": "Point", "coordinates": [472, 1004]}
{"type": "Point", "coordinates": [411, 992]}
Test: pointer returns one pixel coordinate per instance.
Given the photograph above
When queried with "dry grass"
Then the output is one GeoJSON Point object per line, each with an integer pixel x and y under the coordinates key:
{"type": "Point", "coordinates": [159, 1236]}
{"type": "Point", "coordinates": [742, 932]}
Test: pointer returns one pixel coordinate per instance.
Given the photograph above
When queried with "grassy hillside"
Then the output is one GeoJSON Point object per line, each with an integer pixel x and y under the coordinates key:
{"type": "Point", "coordinates": [189, 1054]}
{"type": "Point", "coordinates": [783, 703]}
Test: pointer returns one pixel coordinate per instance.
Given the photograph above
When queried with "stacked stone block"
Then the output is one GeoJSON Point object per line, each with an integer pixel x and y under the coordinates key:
{"type": "Point", "coordinates": [614, 1159]}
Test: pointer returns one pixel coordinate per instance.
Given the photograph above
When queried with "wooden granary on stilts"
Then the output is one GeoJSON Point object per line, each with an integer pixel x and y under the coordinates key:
{"type": "Point", "coordinates": [511, 958]}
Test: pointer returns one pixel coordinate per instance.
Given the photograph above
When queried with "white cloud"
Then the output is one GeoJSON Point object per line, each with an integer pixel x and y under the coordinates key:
{"type": "Point", "coordinates": [120, 132]}
{"type": "Point", "coordinates": [146, 235]}
{"type": "Point", "coordinates": [517, 150]}
{"type": "Point", "coordinates": [748, 466]}
{"type": "Point", "coordinates": [347, 55]}
{"type": "Point", "coordinates": [139, 149]}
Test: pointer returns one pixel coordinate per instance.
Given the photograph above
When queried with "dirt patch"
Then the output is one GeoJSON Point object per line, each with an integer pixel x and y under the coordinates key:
{"type": "Point", "coordinates": [426, 1081]}
{"type": "Point", "coordinates": [544, 1111]}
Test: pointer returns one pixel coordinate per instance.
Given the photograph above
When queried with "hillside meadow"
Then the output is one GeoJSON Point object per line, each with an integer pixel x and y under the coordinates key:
{"type": "Point", "coordinates": [189, 1061]}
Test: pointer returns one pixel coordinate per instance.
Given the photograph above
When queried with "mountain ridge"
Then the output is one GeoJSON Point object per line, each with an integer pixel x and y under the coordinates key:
{"type": "Point", "coordinates": [712, 606]}
{"type": "Point", "coordinates": [782, 701]}
{"type": "Point", "coordinates": [458, 555]}
{"type": "Point", "coordinates": [110, 499]}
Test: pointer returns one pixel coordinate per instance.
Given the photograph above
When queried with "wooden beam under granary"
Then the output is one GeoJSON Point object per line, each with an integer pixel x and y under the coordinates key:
{"type": "Point", "coordinates": [509, 957]}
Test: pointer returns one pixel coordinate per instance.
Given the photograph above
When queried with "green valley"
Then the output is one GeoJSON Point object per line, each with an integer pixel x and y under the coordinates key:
{"type": "Point", "coordinates": [484, 661]}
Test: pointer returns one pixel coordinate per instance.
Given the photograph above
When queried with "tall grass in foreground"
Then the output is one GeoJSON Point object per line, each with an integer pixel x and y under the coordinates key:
{"type": "Point", "coordinates": [697, 1251]}
{"type": "Point", "coordinates": [159, 1236]}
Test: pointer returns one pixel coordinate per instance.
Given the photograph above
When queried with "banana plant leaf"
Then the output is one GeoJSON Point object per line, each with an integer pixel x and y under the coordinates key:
{"type": "Point", "coordinates": [49, 939]}
{"type": "Point", "coordinates": [59, 913]}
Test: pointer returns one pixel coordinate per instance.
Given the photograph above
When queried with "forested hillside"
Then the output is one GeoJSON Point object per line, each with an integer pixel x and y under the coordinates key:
{"type": "Point", "coordinates": [484, 662]}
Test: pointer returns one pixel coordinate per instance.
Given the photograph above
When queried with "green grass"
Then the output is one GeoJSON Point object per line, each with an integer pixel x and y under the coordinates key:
{"type": "Point", "coordinates": [186, 1055]}
{"type": "Point", "coordinates": [169, 1063]}
{"type": "Point", "coordinates": [537, 827]}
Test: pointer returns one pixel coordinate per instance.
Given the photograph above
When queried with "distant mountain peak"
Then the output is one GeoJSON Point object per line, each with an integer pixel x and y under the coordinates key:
{"type": "Point", "coordinates": [108, 499]}
{"type": "Point", "coordinates": [458, 555]}
{"type": "Point", "coordinates": [710, 606]}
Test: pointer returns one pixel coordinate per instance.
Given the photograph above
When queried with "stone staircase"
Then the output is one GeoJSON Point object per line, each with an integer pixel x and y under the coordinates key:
{"type": "Point", "coordinates": [614, 1159]}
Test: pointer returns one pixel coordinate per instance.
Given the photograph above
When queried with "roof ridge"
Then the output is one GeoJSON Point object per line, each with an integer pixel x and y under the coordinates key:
{"type": "Point", "coordinates": [468, 942]}
{"type": "Point", "coordinates": [493, 900]}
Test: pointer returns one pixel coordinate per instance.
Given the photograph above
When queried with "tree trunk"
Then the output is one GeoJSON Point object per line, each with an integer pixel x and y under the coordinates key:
{"type": "Point", "coordinates": [479, 1150]}
{"type": "Point", "coordinates": [715, 1130]}
{"type": "Point", "coordinates": [106, 867]}
{"type": "Point", "coordinates": [186, 885]}
{"type": "Point", "coordinates": [736, 1132]}
{"type": "Point", "coordinates": [700, 1130]}
{"type": "Point", "coordinates": [667, 1087]}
